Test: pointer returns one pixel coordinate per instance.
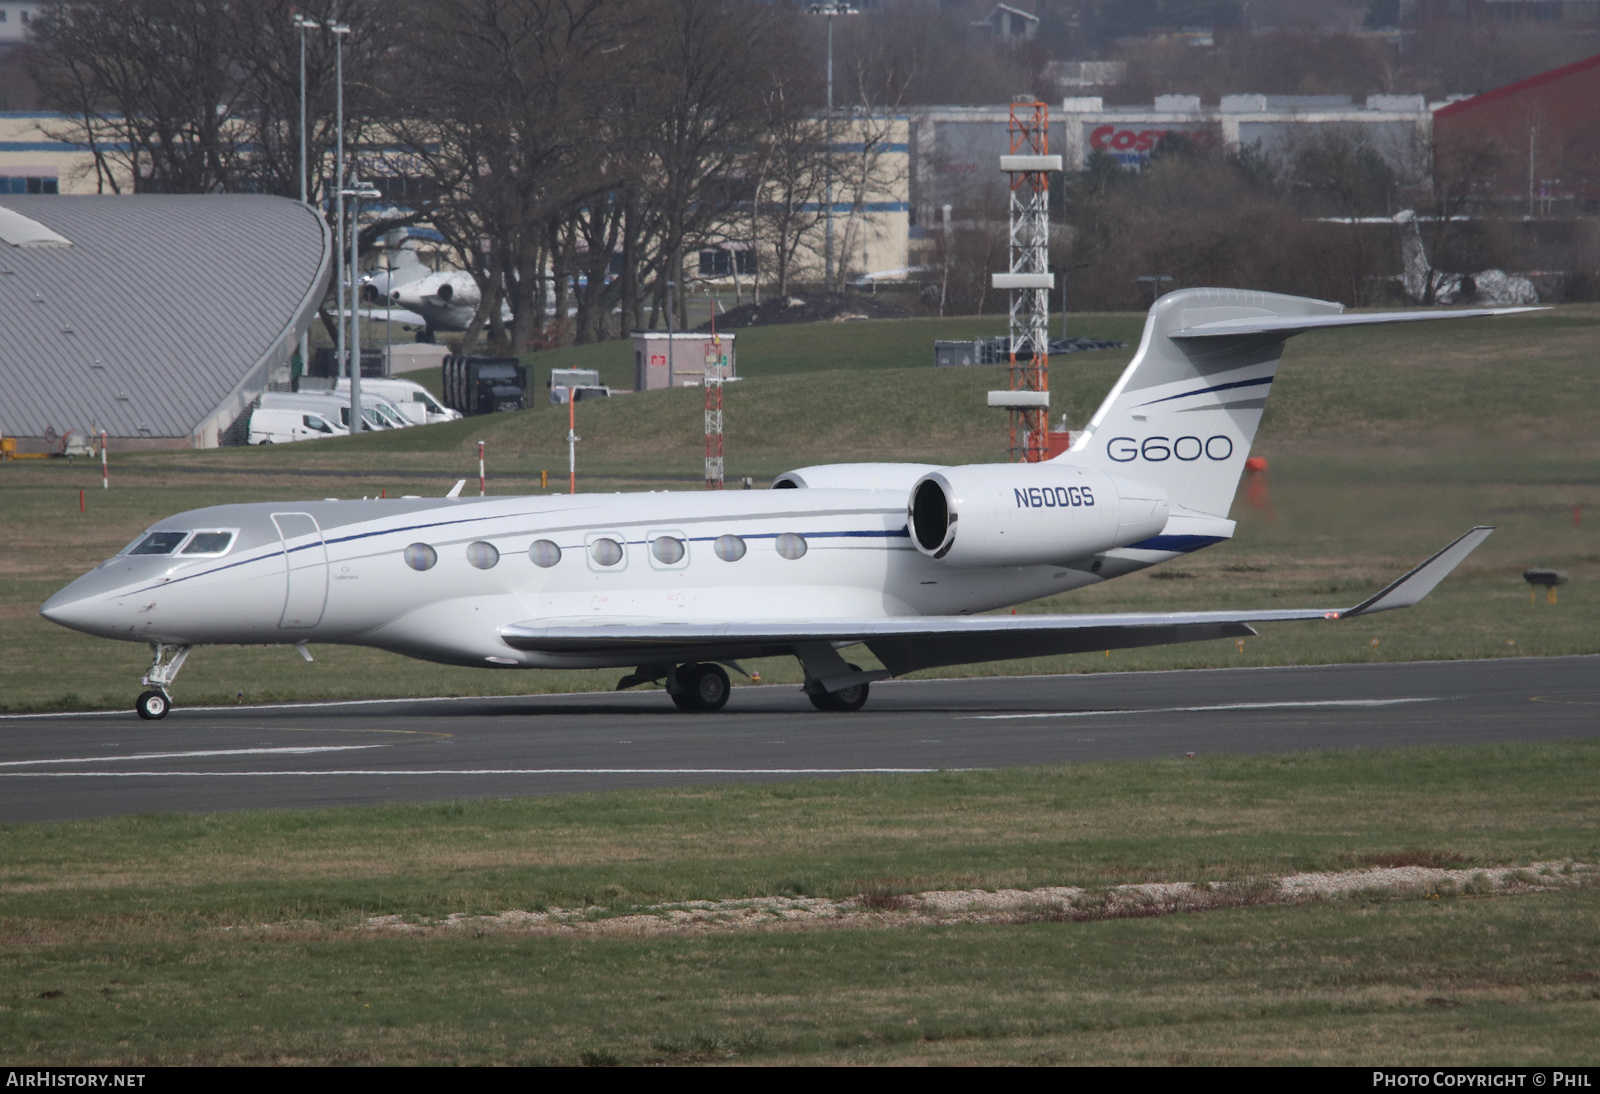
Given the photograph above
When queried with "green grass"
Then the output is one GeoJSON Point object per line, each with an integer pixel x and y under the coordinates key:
{"type": "Point", "coordinates": [1383, 445]}
{"type": "Point", "coordinates": [237, 938]}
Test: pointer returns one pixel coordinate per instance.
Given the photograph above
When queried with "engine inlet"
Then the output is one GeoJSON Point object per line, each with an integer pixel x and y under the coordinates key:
{"type": "Point", "coordinates": [930, 515]}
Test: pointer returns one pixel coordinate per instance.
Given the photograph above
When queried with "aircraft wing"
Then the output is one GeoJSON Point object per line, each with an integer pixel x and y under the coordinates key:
{"type": "Point", "coordinates": [905, 643]}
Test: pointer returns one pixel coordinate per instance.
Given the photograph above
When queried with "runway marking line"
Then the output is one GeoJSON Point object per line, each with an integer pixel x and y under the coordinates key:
{"type": "Point", "coordinates": [1185, 710]}
{"type": "Point", "coordinates": [493, 771]}
{"type": "Point", "coordinates": [293, 751]}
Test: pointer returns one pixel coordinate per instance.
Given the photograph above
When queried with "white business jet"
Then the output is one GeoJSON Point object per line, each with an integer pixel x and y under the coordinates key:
{"type": "Point", "coordinates": [901, 558]}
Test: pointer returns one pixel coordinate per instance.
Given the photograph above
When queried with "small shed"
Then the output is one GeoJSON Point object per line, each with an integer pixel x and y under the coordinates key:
{"type": "Point", "coordinates": [679, 360]}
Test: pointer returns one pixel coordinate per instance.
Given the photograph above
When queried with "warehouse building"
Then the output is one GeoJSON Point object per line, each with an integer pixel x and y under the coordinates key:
{"type": "Point", "coordinates": [154, 318]}
{"type": "Point", "coordinates": [1545, 135]}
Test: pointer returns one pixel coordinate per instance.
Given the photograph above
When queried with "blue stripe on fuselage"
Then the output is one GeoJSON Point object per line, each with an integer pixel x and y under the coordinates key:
{"type": "Point", "coordinates": [1181, 544]}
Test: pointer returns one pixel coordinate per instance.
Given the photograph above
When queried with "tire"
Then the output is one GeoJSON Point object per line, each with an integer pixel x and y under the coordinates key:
{"type": "Point", "coordinates": [845, 700]}
{"type": "Point", "coordinates": [702, 688]}
{"type": "Point", "coordinates": [152, 705]}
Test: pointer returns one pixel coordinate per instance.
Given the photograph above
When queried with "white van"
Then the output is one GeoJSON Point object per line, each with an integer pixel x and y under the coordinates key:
{"type": "Point", "coordinates": [282, 425]}
{"type": "Point", "coordinates": [375, 412]}
{"type": "Point", "coordinates": [410, 398]}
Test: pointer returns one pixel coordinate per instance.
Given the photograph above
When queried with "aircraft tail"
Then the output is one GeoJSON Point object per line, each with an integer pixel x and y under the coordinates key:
{"type": "Point", "coordinates": [1185, 411]}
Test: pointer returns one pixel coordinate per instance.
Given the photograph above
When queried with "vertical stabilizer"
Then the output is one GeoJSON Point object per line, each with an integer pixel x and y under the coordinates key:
{"type": "Point", "coordinates": [1185, 411]}
{"type": "Point", "coordinates": [1418, 274]}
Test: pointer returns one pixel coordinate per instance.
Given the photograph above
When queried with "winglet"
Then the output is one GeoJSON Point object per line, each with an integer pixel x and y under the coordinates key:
{"type": "Point", "coordinates": [455, 491]}
{"type": "Point", "coordinates": [1420, 581]}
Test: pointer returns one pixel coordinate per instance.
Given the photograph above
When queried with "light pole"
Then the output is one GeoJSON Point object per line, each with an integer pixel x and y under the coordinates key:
{"type": "Point", "coordinates": [357, 191]}
{"type": "Point", "coordinates": [829, 10]}
{"type": "Point", "coordinates": [339, 30]}
{"type": "Point", "coordinates": [302, 24]}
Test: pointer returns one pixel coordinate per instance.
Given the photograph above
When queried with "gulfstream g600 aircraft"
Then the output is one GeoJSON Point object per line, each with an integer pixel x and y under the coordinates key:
{"type": "Point", "coordinates": [899, 557]}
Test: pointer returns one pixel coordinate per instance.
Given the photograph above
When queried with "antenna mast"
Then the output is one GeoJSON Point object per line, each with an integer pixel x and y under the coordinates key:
{"type": "Point", "coordinates": [1029, 279]}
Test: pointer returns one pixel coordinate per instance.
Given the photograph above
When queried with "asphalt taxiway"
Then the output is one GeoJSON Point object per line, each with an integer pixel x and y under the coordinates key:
{"type": "Point", "coordinates": [64, 766]}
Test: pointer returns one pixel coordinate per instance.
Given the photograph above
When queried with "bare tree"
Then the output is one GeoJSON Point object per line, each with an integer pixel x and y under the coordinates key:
{"type": "Point", "coordinates": [185, 96]}
{"type": "Point", "coordinates": [509, 111]}
{"type": "Point", "coordinates": [791, 168]}
{"type": "Point", "coordinates": [706, 63]}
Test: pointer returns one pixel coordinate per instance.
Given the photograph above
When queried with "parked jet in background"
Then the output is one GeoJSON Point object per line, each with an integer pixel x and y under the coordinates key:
{"type": "Point", "coordinates": [900, 558]}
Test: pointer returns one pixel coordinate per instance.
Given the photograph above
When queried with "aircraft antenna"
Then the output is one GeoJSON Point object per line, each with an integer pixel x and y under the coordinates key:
{"type": "Point", "coordinates": [1029, 278]}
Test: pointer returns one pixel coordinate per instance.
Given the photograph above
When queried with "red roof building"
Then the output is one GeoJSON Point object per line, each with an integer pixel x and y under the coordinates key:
{"type": "Point", "coordinates": [1545, 131]}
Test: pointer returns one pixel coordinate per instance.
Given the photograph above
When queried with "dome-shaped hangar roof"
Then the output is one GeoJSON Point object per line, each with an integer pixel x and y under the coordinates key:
{"type": "Point", "coordinates": [151, 316]}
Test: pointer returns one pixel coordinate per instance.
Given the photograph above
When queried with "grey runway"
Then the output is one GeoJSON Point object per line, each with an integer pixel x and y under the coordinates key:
{"type": "Point", "coordinates": [59, 767]}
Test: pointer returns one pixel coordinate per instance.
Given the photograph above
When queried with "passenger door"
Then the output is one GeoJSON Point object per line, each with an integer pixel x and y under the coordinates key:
{"type": "Point", "coordinates": [305, 559]}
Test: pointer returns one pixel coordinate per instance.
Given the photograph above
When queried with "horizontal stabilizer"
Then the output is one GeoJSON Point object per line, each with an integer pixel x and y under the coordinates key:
{"type": "Point", "coordinates": [1287, 325]}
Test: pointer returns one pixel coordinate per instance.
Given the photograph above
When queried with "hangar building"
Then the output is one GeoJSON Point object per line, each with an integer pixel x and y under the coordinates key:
{"type": "Point", "coordinates": [157, 318]}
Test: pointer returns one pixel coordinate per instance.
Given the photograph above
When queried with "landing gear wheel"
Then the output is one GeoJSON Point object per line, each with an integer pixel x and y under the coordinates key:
{"type": "Point", "coordinates": [844, 700]}
{"type": "Point", "coordinates": [701, 688]}
{"type": "Point", "coordinates": [152, 705]}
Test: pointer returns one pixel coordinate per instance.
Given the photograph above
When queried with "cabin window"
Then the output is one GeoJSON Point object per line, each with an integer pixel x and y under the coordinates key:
{"type": "Point", "coordinates": [791, 546]}
{"type": "Point", "coordinates": [605, 552]}
{"type": "Point", "coordinates": [729, 548]}
{"type": "Point", "coordinates": [208, 543]}
{"type": "Point", "coordinates": [483, 555]}
{"type": "Point", "coordinates": [544, 553]}
{"type": "Point", "coordinates": [312, 421]}
{"type": "Point", "coordinates": [667, 549]}
{"type": "Point", "coordinates": [419, 556]}
{"type": "Point", "coordinates": [158, 543]}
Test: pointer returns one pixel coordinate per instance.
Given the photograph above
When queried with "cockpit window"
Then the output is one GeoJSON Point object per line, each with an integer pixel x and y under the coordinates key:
{"type": "Point", "coordinates": [208, 543]}
{"type": "Point", "coordinates": [158, 543]}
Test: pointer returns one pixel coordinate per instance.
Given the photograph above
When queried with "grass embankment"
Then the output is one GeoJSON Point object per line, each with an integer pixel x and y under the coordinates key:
{"type": "Point", "coordinates": [243, 937]}
{"type": "Point", "coordinates": [1383, 445]}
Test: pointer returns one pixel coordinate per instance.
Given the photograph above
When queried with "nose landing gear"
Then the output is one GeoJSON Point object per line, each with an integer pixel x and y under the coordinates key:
{"type": "Point", "coordinates": [151, 705]}
{"type": "Point", "coordinates": [165, 661]}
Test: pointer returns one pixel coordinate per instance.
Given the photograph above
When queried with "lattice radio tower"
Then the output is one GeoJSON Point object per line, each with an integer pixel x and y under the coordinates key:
{"type": "Point", "coordinates": [1029, 280]}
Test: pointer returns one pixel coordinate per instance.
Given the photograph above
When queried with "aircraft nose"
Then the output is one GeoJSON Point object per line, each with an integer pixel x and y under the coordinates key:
{"type": "Point", "coordinates": [69, 607]}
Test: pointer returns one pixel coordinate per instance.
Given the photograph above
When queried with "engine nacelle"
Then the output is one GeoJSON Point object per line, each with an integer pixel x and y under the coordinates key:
{"type": "Point", "coordinates": [1030, 514]}
{"type": "Point", "coordinates": [899, 477]}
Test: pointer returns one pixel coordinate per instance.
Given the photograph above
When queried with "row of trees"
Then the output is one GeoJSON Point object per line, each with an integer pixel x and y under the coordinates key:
{"type": "Point", "coordinates": [575, 150]}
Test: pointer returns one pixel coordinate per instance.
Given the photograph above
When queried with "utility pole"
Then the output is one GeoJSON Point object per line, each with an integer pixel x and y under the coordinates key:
{"type": "Point", "coordinates": [339, 30]}
{"type": "Point", "coordinates": [829, 10]}
{"type": "Point", "coordinates": [302, 24]}
{"type": "Point", "coordinates": [357, 191]}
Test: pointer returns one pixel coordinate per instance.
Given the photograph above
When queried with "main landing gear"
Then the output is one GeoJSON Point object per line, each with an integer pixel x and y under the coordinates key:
{"type": "Point", "coordinates": [844, 700]}
{"type": "Point", "coordinates": [165, 661]}
{"type": "Point", "coordinates": [701, 688]}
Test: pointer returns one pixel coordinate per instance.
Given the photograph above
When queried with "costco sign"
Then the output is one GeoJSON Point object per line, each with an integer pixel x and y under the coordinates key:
{"type": "Point", "coordinates": [1132, 145]}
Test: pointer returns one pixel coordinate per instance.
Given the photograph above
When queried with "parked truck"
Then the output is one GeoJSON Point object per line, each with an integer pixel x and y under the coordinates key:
{"type": "Point", "coordinates": [483, 385]}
